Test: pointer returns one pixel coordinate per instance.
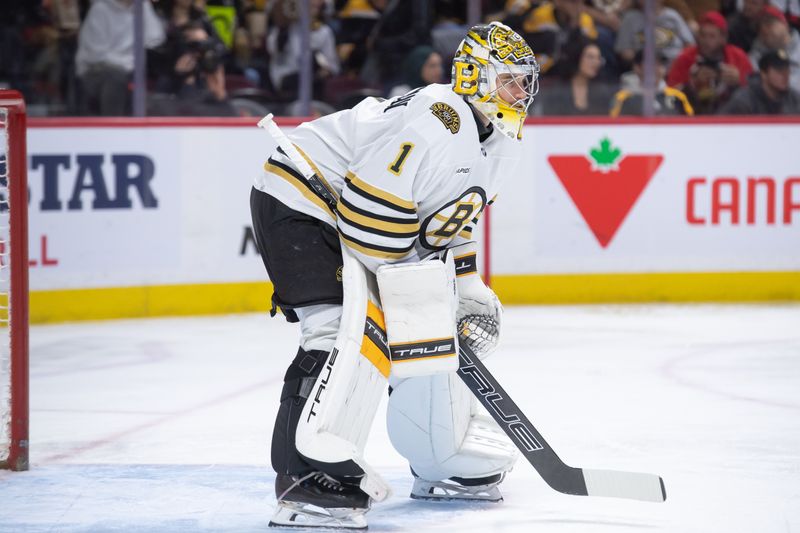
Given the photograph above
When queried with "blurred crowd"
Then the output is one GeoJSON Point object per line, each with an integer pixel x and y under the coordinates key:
{"type": "Point", "coordinates": [241, 57]}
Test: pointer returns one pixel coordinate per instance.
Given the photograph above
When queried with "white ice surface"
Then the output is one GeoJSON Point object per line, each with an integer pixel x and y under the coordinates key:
{"type": "Point", "coordinates": [164, 425]}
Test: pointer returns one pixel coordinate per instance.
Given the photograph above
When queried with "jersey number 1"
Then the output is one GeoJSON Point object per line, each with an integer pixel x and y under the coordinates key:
{"type": "Point", "coordinates": [397, 166]}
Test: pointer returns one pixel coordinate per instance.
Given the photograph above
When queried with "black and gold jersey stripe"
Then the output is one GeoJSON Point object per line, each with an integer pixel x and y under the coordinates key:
{"type": "Point", "coordinates": [379, 196]}
{"type": "Point", "coordinates": [375, 223]}
{"type": "Point", "coordinates": [377, 231]}
{"type": "Point", "coordinates": [374, 250]}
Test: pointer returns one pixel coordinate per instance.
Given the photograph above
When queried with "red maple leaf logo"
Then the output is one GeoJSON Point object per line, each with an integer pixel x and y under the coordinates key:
{"type": "Point", "coordinates": [604, 187]}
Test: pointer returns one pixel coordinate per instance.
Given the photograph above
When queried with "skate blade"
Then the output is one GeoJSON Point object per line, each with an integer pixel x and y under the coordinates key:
{"type": "Point", "coordinates": [448, 492]}
{"type": "Point", "coordinates": [305, 516]}
{"type": "Point", "coordinates": [443, 498]}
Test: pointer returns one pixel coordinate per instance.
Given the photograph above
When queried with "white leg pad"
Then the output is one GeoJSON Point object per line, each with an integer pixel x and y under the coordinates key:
{"type": "Point", "coordinates": [435, 423]}
{"type": "Point", "coordinates": [337, 417]}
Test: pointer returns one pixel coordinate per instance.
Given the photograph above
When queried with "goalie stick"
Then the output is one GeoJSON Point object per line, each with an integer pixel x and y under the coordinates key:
{"type": "Point", "coordinates": [557, 474]}
{"type": "Point", "coordinates": [290, 151]}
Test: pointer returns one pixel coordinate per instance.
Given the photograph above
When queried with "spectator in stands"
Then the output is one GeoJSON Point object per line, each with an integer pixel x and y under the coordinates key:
{"type": "Point", "coordinates": [402, 26]}
{"type": "Point", "coordinates": [13, 67]}
{"type": "Point", "coordinates": [421, 67]}
{"type": "Point", "coordinates": [668, 101]}
{"type": "Point", "coordinates": [709, 72]}
{"type": "Point", "coordinates": [449, 29]}
{"type": "Point", "coordinates": [509, 12]}
{"type": "Point", "coordinates": [743, 25]}
{"type": "Point", "coordinates": [66, 19]}
{"type": "Point", "coordinates": [254, 21]}
{"type": "Point", "coordinates": [774, 34]}
{"type": "Point", "coordinates": [199, 77]}
{"type": "Point", "coordinates": [178, 15]}
{"type": "Point", "coordinates": [769, 93]}
{"type": "Point", "coordinates": [552, 25]}
{"type": "Point", "coordinates": [579, 92]}
{"type": "Point", "coordinates": [104, 61]}
{"type": "Point", "coordinates": [692, 10]}
{"type": "Point", "coordinates": [356, 19]}
{"type": "Point", "coordinates": [672, 34]}
{"type": "Point", "coordinates": [790, 9]}
{"type": "Point", "coordinates": [284, 48]}
{"type": "Point", "coordinates": [42, 62]}
{"type": "Point", "coordinates": [607, 16]}
{"type": "Point", "coordinates": [349, 88]}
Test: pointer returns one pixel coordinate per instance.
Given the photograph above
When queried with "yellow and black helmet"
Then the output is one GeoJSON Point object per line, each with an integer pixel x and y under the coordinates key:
{"type": "Point", "coordinates": [496, 71]}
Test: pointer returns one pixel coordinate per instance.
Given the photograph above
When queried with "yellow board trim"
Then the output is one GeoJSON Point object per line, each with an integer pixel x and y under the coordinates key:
{"type": "Point", "coordinates": [650, 287]}
{"type": "Point", "coordinates": [139, 302]}
{"type": "Point", "coordinates": [220, 298]}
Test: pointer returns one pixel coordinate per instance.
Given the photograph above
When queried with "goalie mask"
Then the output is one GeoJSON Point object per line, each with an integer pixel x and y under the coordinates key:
{"type": "Point", "coordinates": [496, 71]}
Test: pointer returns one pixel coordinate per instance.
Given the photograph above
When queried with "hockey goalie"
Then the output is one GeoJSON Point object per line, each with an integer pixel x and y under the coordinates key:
{"type": "Point", "coordinates": [364, 221]}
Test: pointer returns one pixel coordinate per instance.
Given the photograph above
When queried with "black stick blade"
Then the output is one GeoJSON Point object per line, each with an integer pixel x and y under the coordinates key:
{"type": "Point", "coordinates": [557, 474]}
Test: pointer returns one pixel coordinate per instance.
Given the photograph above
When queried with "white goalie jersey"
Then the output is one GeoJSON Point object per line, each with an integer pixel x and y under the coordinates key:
{"type": "Point", "coordinates": [409, 174]}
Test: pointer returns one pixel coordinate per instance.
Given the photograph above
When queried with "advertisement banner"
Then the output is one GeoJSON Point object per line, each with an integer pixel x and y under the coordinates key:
{"type": "Point", "coordinates": [651, 198]}
{"type": "Point", "coordinates": [113, 207]}
{"type": "Point", "coordinates": [154, 203]}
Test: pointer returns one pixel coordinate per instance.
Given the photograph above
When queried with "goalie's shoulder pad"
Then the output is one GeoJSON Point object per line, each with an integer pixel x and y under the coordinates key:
{"type": "Point", "coordinates": [442, 117]}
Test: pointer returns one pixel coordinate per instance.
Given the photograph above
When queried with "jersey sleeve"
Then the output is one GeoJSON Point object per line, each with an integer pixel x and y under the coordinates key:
{"type": "Point", "coordinates": [377, 212]}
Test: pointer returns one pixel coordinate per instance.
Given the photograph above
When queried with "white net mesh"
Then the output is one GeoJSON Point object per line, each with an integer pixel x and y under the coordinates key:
{"type": "Point", "coordinates": [5, 340]}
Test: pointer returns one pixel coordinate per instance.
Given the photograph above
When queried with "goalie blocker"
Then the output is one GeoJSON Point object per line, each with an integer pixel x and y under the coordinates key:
{"type": "Point", "coordinates": [419, 306]}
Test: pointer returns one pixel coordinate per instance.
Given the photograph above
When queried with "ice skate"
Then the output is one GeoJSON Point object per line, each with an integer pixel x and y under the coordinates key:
{"type": "Point", "coordinates": [458, 489]}
{"type": "Point", "coordinates": [317, 500]}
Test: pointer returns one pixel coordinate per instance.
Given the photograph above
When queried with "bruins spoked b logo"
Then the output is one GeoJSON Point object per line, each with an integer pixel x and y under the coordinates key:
{"type": "Point", "coordinates": [452, 218]}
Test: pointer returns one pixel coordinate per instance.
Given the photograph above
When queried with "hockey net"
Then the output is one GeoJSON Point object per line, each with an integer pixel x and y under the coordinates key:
{"type": "Point", "coordinates": [13, 284]}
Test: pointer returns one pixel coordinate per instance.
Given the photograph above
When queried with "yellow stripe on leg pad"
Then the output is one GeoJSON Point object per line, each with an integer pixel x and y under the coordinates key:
{"type": "Point", "coordinates": [373, 343]}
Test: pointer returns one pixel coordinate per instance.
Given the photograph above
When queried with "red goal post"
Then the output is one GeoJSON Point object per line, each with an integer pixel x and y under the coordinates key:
{"type": "Point", "coordinates": [13, 283]}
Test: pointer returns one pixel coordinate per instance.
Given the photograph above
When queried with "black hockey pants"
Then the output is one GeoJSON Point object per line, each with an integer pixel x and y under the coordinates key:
{"type": "Point", "coordinates": [302, 255]}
